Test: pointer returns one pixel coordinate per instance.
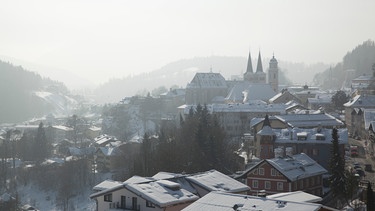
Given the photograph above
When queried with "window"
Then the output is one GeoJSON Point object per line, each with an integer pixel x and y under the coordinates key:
{"type": "Point", "coordinates": [149, 204]}
{"type": "Point", "coordinates": [315, 152]}
{"type": "Point", "coordinates": [261, 171]}
{"type": "Point", "coordinates": [255, 183]}
{"type": "Point", "coordinates": [318, 180]}
{"type": "Point", "coordinates": [108, 197]}
{"type": "Point", "coordinates": [280, 186]}
{"type": "Point", "coordinates": [296, 185]}
{"type": "Point", "coordinates": [312, 181]}
{"type": "Point", "coordinates": [273, 172]}
{"type": "Point", "coordinates": [301, 184]}
{"type": "Point", "coordinates": [255, 172]}
{"type": "Point", "coordinates": [267, 185]}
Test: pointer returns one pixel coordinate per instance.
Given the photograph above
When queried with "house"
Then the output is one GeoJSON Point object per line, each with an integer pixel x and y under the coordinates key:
{"type": "Point", "coordinates": [313, 141]}
{"type": "Point", "coordinates": [108, 158]}
{"type": "Point", "coordinates": [354, 113]}
{"type": "Point", "coordinates": [283, 97]}
{"type": "Point", "coordinates": [219, 201]}
{"type": "Point", "coordinates": [103, 140]}
{"type": "Point", "coordinates": [320, 101]}
{"type": "Point", "coordinates": [296, 196]}
{"type": "Point", "coordinates": [61, 132]}
{"type": "Point", "coordinates": [93, 132]}
{"type": "Point", "coordinates": [163, 191]}
{"type": "Point", "coordinates": [285, 174]}
{"type": "Point", "coordinates": [235, 118]}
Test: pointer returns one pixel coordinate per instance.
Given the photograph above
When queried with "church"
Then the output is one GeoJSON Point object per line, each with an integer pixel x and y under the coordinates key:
{"type": "Point", "coordinates": [208, 88]}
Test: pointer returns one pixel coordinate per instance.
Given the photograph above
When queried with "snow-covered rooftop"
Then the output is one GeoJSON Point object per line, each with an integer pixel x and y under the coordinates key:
{"type": "Point", "coordinates": [296, 196]}
{"type": "Point", "coordinates": [162, 192]}
{"type": "Point", "coordinates": [220, 201]}
{"type": "Point", "coordinates": [216, 181]}
{"type": "Point", "coordinates": [207, 80]}
{"type": "Point", "coordinates": [297, 166]}
{"type": "Point", "coordinates": [359, 101]}
{"type": "Point", "coordinates": [106, 184]}
{"type": "Point", "coordinates": [316, 135]}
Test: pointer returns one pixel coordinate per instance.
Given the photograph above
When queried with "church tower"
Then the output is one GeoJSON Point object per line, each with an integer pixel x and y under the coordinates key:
{"type": "Point", "coordinates": [260, 76]}
{"type": "Point", "coordinates": [248, 76]}
{"type": "Point", "coordinates": [273, 74]}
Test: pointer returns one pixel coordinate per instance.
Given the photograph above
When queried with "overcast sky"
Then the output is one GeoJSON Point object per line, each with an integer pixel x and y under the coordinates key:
{"type": "Point", "coordinates": [106, 39]}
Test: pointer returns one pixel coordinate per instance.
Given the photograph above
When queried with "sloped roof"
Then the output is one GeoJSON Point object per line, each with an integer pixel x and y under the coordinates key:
{"type": "Point", "coordinates": [216, 181]}
{"type": "Point", "coordinates": [106, 184]}
{"type": "Point", "coordinates": [162, 192]}
{"type": "Point", "coordinates": [244, 91]}
{"type": "Point", "coordinates": [297, 167]}
{"type": "Point", "coordinates": [359, 101]}
{"type": "Point", "coordinates": [369, 116]}
{"type": "Point", "coordinates": [310, 120]}
{"type": "Point", "coordinates": [289, 135]}
{"type": "Point", "coordinates": [296, 196]}
{"type": "Point", "coordinates": [110, 151]}
{"type": "Point", "coordinates": [219, 201]}
{"type": "Point", "coordinates": [207, 80]}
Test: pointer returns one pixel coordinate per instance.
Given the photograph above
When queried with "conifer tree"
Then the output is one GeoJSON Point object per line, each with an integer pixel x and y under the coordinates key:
{"type": "Point", "coordinates": [337, 168]}
{"type": "Point", "coordinates": [370, 198]}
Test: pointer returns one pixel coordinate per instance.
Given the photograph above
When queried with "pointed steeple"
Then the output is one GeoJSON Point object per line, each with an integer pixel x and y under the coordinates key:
{"type": "Point", "coordinates": [259, 65]}
{"type": "Point", "coordinates": [266, 121]}
{"type": "Point", "coordinates": [249, 68]}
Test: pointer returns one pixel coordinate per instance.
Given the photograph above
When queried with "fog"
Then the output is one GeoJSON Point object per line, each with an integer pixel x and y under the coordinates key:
{"type": "Point", "coordinates": [100, 40]}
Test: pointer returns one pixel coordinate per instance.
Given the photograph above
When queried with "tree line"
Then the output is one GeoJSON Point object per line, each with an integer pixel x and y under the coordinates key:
{"type": "Point", "coordinates": [197, 144]}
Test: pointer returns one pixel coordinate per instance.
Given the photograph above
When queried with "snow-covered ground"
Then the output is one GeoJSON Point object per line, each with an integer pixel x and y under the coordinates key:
{"type": "Point", "coordinates": [46, 200]}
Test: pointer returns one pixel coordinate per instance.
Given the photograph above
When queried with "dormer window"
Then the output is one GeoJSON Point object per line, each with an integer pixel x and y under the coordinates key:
{"type": "Point", "coordinates": [320, 137]}
{"type": "Point", "coordinates": [302, 136]}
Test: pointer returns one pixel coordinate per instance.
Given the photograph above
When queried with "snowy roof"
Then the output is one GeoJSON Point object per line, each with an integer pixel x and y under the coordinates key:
{"type": "Point", "coordinates": [103, 139]}
{"type": "Point", "coordinates": [207, 80]}
{"type": "Point", "coordinates": [310, 120]}
{"type": "Point", "coordinates": [266, 131]}
{"type": "Point", "coordinates": [245, 91]}
{"type": "Point", "coordinates": [256, 106]}
{"type": "Point", "coordinates": [321, 99]}
{"type": "Point", "coordinates": [297, 166]}
{"type": "Point", "coordinates": [313, 135]}
{"type": "Point", "coordinates": [369, 116]}
{"type": "Point", "coordinates": [359, 101]}
{"type": "Point", "coordinates": [139, 179]}
{"type": "Point", "coordinates": [106, 184]}
{"type": "Point", "coordinates": [296, 196]}
{"type": "Point", "coordinates": [62, 127]}
{"type": "Point", "coordinates": [110, 151]}
{"type": "Point", "coordinates": [216, 181]}
{"type": "Point", "coordinates": [220, 201]}
{"type": "Point", "coordinates": [162, 192]}
{"type": "Point", "coordinates": [94, 128]}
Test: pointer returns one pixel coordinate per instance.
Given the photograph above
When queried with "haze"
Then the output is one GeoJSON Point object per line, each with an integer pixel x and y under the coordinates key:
{"type": "Point", "coordinates": [99, 40]}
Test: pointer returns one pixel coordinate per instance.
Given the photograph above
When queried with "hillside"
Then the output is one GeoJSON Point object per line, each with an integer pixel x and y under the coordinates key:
{"type": "Point", "coordinates": [181, 72]}
{"type": "Point", "coordinates": [360, 59]}
{"type": "Point", "coordinates": [26, 95]}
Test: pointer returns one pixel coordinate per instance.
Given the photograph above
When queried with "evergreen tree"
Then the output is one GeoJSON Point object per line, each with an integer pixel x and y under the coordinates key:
{"type": "Point", "coordinates": [339, 99]}
{"type": "Point", "coordinates": [370, 198]}
{"type": "Point", "coordinates": [337, 168]}
{"type": "Point", "coordinates": [41, 147]}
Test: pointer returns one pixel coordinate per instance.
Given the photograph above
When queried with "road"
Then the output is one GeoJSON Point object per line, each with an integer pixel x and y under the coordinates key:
{"type": "Point", "coordinates": [365, 156]}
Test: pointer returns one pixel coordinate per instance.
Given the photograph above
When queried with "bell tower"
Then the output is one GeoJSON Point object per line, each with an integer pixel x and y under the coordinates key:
{"type": "Point", "coordinates": [273, 74]}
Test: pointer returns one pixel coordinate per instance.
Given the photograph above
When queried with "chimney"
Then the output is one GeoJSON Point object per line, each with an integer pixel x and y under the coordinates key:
{"type": "Point", "coordinates": [289, 151]}
{"type": "Point", "coordinates": [279, 152]}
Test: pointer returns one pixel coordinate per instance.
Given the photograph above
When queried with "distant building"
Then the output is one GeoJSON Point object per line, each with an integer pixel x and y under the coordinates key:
{"type": "Point", "coordinates": [205, 87]}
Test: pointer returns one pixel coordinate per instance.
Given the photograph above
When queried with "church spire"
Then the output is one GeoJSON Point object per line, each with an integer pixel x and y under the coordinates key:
{"type": "Point", "coordinates": [259, 65]}
{"type": "Point", "coordinates": [249, 68]}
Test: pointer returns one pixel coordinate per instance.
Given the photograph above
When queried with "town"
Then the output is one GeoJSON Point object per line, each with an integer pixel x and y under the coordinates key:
{"type": "Point", "coordinates": [246, 143]}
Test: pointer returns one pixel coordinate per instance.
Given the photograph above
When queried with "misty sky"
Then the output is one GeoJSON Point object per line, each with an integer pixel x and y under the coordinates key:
{"type": "Point", "coordinates": [99, 40]}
